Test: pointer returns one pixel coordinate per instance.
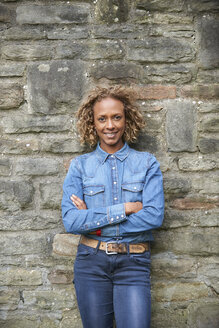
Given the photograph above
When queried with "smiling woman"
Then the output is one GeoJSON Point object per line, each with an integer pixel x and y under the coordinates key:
{"type": "Point", "coordinates": [113, 197]}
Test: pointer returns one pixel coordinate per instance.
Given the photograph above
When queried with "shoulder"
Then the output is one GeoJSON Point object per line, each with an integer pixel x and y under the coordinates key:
{"type": "Point", "coordinates": [141, 156]}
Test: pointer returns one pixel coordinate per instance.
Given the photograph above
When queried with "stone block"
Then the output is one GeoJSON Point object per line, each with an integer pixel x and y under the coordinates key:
{"type": "Point", "coordinates": [176, 186]}
{"type": "Point", "coordinates": [6, 14]}
{"type": "Point", "coordinates": [210, 218]}
{"type": "Point", "coordinates": [65, 244]}
{"type": "Point", "coordinates": [147, 142]}
{"type": "Point", "coordinates": [5, 167]}
{"type": "Point", "coordinates": [172, 292]}
{"type": "Point", "coordinates": [25, 243]}
{"type": "Point", "coordinates": [159, 50]}
{"type": "Point", "coordinates": [59, 145]}
{"type": "Point", "coordinates": [9, 299]}
{"type": "Point", "coordinates": [208, 145]}
{"type": "Point", "coordinates": [37, 166]}
{"type": "Point", "coordinates": [172, 73]}
{"type": "Point", "coordinates": [202, 5]}
{"type": "Point", "coordinates": [210, 123]}
{"type": "Point", "coordinates": [51, 195]}
{"type": "Point", "coordinates": [208, 107]}
{"type": "Point", "coordinates": [157, 92]}
{"type": "Point", "coordinates": [54, 87]}
{"type": "Point", "coordinates": [204, 314]}
{"type": "Point", "coordinates": [210, 91]}
{"type": "Point", "coordinates": [190, 241]}
{"type": "Point", "coordinates": [209, 76]}
{"type": "Point", "coordinates": [160, 5]}
{"type": "Point", "coordinates": [11, 70]}
{"type": "Point", "coordinates": [55, 299]}
{"type": "Point", "coordinates": [19, 321]}
{"type": "Point", "coordinates": [168, 266]}
{"type": "Point", "coordinates": [20, 277]}
{"type": "Point", "coordinates": [73, 50]}
{"type": "Point", "coordinates": [109, 49]}
{"type": "Point", "coordinates": [70, 33]}
{"type": "Point", "coordinates": [16, 194]}
{"type": "Point", "coordinates": [18, 146]}
{"type": "Point", "coordinates": [110, 12]}
{"type": "Point", "coordinates": [71, 319]}
{"type": "Point", "coordinates": [11, 95]}
{"type": "Point", "coordinates": [50, 14]}
{"type": "Point", "coordinates": [181, 126]}
{"type": "Point", "coordinates": [169, 314]}
{"type": "Point", "coordinates": [207, 184]}
{"type": "Point", "coordinates": [16, 33]}
{"type": "Point", "coordinates": [59, 276]}
{"type": "Point", "coordinates": [27, 51]}
{"type": "Point", "coordinates": [30, 123]}
{"type": "Point", "coordinates": [115, 70]}
{"type": "Point", "coordinates": [208, 270]}
{"type": "Point", "coordinates": [199, 163]}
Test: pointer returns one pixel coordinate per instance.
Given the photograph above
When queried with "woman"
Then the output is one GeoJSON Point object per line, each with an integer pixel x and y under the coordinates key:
{"type": "Point", "coordinates": [113, 197]}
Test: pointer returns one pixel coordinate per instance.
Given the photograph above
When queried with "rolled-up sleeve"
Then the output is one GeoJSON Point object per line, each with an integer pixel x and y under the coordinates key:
{"type": "Point", "coordinates": [84, 221]}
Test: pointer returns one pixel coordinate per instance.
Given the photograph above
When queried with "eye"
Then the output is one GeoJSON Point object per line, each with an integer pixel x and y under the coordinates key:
{"type": "Point", "coordinates": [118, 117]}
{"type": "Point", "coordinates": [101, 119]}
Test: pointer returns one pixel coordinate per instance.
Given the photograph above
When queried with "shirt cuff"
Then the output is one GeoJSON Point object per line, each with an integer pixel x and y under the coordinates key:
{"type": "Point", "coordinates": [116, 213]}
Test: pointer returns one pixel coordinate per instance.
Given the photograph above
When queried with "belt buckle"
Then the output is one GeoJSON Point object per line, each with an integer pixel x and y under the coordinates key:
{"type": "Point", "coordinates": [108, 252]}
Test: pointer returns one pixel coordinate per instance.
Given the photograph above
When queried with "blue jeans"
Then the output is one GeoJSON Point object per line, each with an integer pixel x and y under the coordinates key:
{"type": "Point", "coordinates": [112, 285]}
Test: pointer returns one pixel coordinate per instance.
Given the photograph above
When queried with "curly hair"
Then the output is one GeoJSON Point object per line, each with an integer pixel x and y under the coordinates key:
{"type": "Point", "coordinates": [134, 118]}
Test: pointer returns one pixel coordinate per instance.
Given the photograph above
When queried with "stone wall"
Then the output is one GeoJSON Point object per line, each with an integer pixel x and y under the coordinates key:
{"type": "Point", "coordinates": [51, 53]}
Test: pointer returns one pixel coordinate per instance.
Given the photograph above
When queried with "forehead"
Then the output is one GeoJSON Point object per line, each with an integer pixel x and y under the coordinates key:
{"type": "Point", "coordinates": [108, 106]}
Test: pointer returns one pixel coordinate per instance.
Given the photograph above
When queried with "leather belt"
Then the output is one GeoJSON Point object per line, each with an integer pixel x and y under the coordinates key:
{"type": "Point", "coordinates": [115, 247]}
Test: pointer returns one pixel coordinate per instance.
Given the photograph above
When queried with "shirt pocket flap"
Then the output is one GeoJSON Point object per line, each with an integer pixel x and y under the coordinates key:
{"type": "Point", "coordinates": [93, 190]}
{"type": "Point", "coordinates": [133, 186]}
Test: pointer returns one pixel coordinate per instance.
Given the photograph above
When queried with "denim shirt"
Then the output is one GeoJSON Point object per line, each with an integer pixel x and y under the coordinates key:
{"type": "Point", "coordinates": [105, 182]}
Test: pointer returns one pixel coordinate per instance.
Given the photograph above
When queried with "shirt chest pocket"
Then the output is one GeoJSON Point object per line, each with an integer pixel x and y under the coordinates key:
{"type": "Point", "coordinates": [94, 196]}
{"type": "Point", "coordinates": [132, 192]}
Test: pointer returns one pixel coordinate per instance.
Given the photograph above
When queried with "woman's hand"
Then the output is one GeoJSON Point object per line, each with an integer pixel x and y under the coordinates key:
{"type": "Point", "coordinates": [79, 203]}
{"type": "Point", "coordinates": [132, 207]}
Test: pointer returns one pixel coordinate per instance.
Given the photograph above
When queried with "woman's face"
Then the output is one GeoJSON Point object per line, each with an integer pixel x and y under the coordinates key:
{"type": "Point", "coordinates": [109, 121]}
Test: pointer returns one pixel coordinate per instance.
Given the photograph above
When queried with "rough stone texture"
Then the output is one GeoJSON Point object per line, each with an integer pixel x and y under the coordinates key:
{"type": "Point", "coordinates": [51, 54]}
{"type": "Point", "coordinates": [181, 129]}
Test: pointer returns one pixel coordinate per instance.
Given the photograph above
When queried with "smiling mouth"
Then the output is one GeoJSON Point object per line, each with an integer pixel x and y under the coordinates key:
{"type": "Point", "coordinates": [110, 135]}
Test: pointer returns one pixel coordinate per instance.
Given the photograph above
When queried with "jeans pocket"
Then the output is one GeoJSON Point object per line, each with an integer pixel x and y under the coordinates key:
{"type": "Point", "coordinates": [84, 252]}
{"type": "Point", "coordinates": [141, 258]}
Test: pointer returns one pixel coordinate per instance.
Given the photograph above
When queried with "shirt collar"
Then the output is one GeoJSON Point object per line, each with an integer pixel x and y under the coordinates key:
{"type": "Point", "coordinates": [121, 154]}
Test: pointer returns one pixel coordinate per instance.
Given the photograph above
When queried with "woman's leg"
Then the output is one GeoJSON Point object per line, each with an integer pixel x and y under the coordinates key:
{"type": "Point", "coordinates": [94, 288]}
{"type": "Point", "coordinates": [131, 293]}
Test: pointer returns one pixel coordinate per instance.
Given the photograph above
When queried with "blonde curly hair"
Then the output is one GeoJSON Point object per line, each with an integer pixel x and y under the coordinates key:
{"type": "Point", "coordinates": [134, 118]}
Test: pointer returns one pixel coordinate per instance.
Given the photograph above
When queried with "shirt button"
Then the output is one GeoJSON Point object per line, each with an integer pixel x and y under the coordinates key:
{"type": "Point", "coordinates": [115, 182]}
{"type": "Point", "coordinates": [91, 192]}
{"type": "Point", "coordinates": [112, 156]}
{"type": "Point", "coordinates": [135, 188]}
{"type": "Point", "coordinates": [113, 168]}
{"type": "Point", "coordinates": [98, 223]}
{"type": "Point", "coordinates": [112, 219]}
{"type": "Point", "coordinates": [122, 216]}
{"type": "Point", "coordinates": [117, 217]}
{"type": "Point", "coordinates": [115, 198]}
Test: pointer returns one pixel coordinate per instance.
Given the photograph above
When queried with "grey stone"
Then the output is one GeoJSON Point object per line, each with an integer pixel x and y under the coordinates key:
{"type": "Point", "coordinates": [12, 69]}
{"type": "Point", "coordinates": [9, 299]}
{"type": "Point", "coordinates": [168, 314]}
{"type": "Point", "coordinates": [147, 142]}
{"type": "Point", "coordinates": [115, 70]}
{"type": "Point", "coordinates": [210, 76]}
{"type": "Point", "coordinates": [159, 50]}
{"type": "Point", "coordinates": [118, 31]}
{"type": "Point", "coordinates": [37, 166]}
{"type": "Point", "coordinates": [208, 28]}
{"type": "Point", "coordinates": [154, 121]}
{"type": "Point", "coordinates": [30, 123]}
{"type": "Point", "coordinates": [6, 13]}
{"type": "Point", "coordinates": [204, 314]}
{"type": "Point", "coordinates": [172, 73]}
{"type": "Point", "coordinates": [67, 14]}
{"type": "Point", "coordinates": [11, 95]}
{"type": "Point", "coordinates": [208, 107]}
{"type": "Point", "coordinates": [193, 241]}
{"type": "Point", "coordinates": [20, 277]}
{"type": "Point", "coordinates": [30, 221]}
{"type": "Point", "coordinates": [61, 145]}
{"type": "Point", "coordinates": [56, 86]}
{"type": "Point", "coordinates": [25, 242]}
{"type": "Point", "coordinates": [197, 164]}
{"type": "Point", "coordinates": [23, 33]}
{"type": "Point", "coordinates": [202, 5]}
{"type": "Point", "coordinates": [107, 11]}
{"type": "Point", "coordinates": [51, 195]}
{"type": "Point", "coordinates": [70, 33]}
{"type": "Point", "coordinates": [5, 167]}
{"type": "Point", "coordinates": [19, 321]}
{"type": "Point", "coordinates": [55, 299]}
{"type": "Point", "coordinates": [176, 186]}
{"type": "Point", "coordinates": [65, 244]}
{"type": "Point", "coordinates": [208, 145]}
{"type": "Point", "coordinates": [209, 185]}
{"type": "Point", "coordinates": [28, 51]}
{"type": "Point", "coordinates": [66, 50]}
{"type": "Point", "coordinates": [208, 271]}
{"type": "Point", "coordinates": [18, 146]}
{"type": "Point", "coordinates": [109, 49]}
{"type": "Point", "coordinates": [71, 319]}
{"type": "Point", "coordinates": [181, 126]}
{"type": "Point", "coordinates": [159, 5]}
{"type": "Point", "coordinates": [16, 194]}
{"type": "Point", "coordinates": [210, 123]}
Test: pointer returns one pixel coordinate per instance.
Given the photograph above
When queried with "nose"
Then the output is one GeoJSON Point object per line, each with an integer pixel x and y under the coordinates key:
{"type": "Point", "coordinates": [109, 124]}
